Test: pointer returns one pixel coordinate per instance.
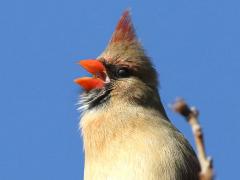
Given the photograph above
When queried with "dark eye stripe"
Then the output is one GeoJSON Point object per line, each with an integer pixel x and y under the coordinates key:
{"type": "Point", "coordinates": [116, 71]}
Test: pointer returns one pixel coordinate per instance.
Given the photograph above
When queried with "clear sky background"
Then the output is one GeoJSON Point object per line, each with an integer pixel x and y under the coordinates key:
{"type": "Point", "coordinates": [195, 46]}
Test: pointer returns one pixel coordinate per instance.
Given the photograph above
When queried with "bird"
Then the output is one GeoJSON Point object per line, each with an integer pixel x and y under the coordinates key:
{"type": "Point", "coordinates": [126, 132]}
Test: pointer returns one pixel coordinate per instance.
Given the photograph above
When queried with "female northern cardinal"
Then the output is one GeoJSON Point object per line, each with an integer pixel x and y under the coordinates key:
{"type": "Point", "coordinates": [126, 132]}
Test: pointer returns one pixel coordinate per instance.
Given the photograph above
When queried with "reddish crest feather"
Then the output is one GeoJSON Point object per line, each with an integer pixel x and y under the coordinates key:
{"type": "Point", "coordinates": [124, 30]}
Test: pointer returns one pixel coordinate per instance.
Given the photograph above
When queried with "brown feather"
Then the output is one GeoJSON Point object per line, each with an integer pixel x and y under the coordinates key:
{"type": "Point", "coordinates": [124, 30]}
{"type": "Point", "coordinates": [130, 137]}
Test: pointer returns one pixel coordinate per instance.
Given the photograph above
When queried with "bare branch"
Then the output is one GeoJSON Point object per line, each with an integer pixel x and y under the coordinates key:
{"type": "Point", "coordinates": [191, 115]}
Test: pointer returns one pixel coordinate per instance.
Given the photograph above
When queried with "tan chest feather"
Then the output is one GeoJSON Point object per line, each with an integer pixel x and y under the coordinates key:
{"type": "Point", "coordinates": [128, 147]}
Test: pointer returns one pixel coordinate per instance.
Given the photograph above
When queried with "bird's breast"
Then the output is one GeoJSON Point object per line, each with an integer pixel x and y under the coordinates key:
{"type": "Point", "coordinates": [132, 145]}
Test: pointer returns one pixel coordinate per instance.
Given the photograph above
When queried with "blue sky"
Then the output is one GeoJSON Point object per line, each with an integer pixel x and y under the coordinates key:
{"type": "Point", "coordinates": [195, 46]}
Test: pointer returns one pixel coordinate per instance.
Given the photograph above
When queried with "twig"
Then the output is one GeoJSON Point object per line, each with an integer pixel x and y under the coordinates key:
{"type": "Point", "coordinates": [191, 115]}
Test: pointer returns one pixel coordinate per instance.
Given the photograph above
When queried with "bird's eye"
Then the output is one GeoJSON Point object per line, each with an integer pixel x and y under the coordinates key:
{"type": "Point", "coordinates": [122, 72]}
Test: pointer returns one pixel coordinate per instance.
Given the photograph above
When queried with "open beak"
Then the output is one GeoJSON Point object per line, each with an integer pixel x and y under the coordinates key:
{"type": "Point", "coordinates": [97, 69]}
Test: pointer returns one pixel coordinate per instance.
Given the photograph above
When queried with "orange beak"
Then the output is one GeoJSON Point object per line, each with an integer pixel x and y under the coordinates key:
{"type": "Point", "coordinates": [96, 68]}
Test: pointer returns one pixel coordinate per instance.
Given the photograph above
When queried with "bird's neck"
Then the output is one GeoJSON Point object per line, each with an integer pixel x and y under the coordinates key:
{"type": "Point", "coordinates": [101, 125]}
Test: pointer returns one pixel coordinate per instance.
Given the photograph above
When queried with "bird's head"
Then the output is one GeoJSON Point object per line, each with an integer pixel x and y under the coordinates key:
{"type": "Point", "coordinates": [122, 71]}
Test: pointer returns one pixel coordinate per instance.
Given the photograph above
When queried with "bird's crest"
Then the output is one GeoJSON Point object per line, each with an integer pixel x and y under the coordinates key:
{"type": "Point", "coordinates": [124, 31]}
{"type": "Point", "coordinates": [124, 42]}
